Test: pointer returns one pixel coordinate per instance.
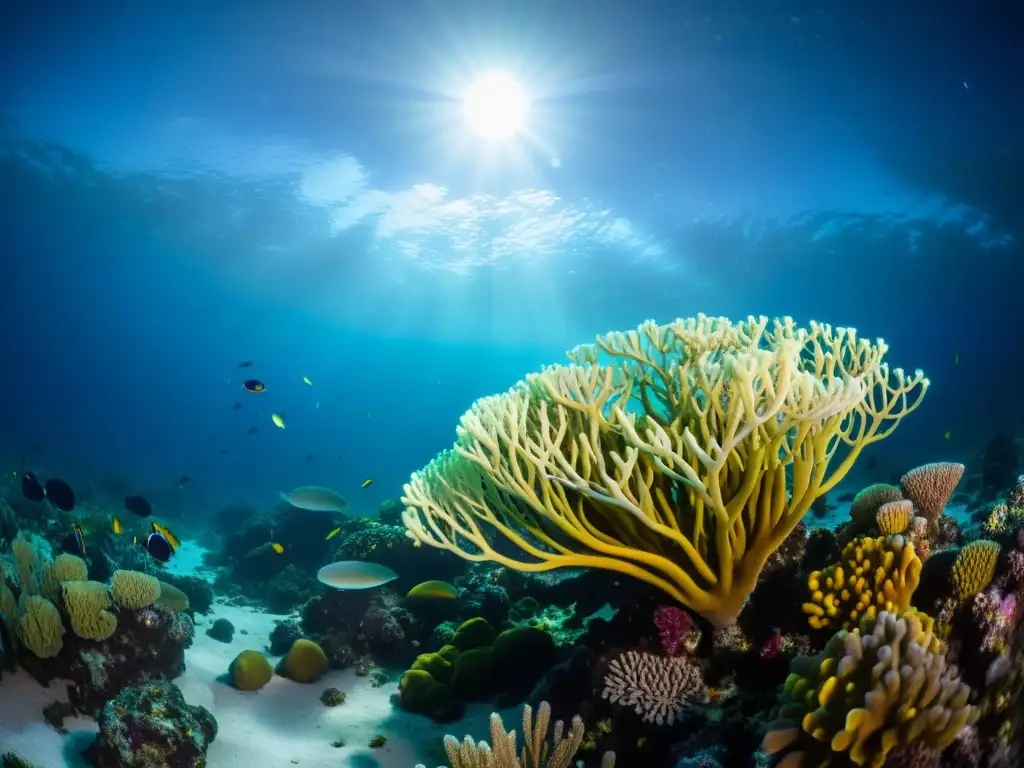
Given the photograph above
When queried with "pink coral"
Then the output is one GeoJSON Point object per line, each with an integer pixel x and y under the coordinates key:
{"type": "Point", "coordinates": [673, 625]}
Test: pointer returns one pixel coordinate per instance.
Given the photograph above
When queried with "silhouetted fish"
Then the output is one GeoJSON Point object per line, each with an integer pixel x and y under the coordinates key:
{"type": "Point", "coordinates": [254, 385]}
{"type": "Point", "coordinates": [158, 546]}
{"type": "Point", "coordinates": [245, 364]}
{"type": "Point", "coordinates": [253, 430]}
{"type": "Point", "coordinates": [236, 407]}
{"type": "Point", "coordinates": [137, 505]}
{"type": "Point", "coordinates": [31, 488]}
{"type": "Point", "coordinates": [60, 494]}
{"type": "Point", "coordinates": [74, 542]}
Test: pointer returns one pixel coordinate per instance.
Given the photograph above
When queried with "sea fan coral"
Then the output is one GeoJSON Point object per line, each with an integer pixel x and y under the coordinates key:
{"type": "Point", "coordinates": [930, 486]}
{"type": "Point", "coordinates": [658, 688]}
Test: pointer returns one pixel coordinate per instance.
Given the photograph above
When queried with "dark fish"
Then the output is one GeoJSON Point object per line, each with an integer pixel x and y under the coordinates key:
{"type": "Point", "coordinates": [223, 451]}
{"type": "Point", "coordinates": [158, 546]}
{"type": "Point", "coordinates": [31, 488]}
{"type": "Point", "coordinates": [74, 542]}
{"type": "Point", "coordinates": [138, 506]}
{"type": "Point", "coordinates": [167, 533]}
{"type": "Point", "coordinates": [60, 494]}
{"type": "Point", "coordinates": [236, 407]}
{"type": "Point", "coordinates": [183, 481]}
{"type": "Point", "coordinates": [245, 364]}
{"type": "Point", "coordinates": [254, 385]}
{"type": "Point", "coordinates": [309, 457]}
{"type": "Point", "coordinates": [253, 430]}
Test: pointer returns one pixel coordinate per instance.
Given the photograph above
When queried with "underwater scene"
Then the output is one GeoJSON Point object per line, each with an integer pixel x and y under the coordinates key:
{"type": "Point", "coordinates": [486, 384]}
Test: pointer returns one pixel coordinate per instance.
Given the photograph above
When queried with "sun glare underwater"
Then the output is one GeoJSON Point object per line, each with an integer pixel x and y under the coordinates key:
{"type": "Point", "coordinates": [539, 384]}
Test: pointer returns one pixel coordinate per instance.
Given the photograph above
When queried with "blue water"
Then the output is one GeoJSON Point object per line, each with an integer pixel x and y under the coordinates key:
{"type": "Point", "coordinates": [187, 187]}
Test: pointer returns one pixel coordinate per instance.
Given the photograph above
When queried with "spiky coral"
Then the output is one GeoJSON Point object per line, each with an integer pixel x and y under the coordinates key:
{"type": "Point", "coordinates": [871, 690]}
{"type": "Point", "coordinates": [872, 575]}
{"type": "Point", "coordinates": [679, 454]}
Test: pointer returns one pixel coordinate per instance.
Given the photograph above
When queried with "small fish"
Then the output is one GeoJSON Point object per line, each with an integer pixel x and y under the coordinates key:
{"type": "Point", "coordinates": [115, 526]}
{"type": "Point", "coordinates": [367, 483]}
{"type": "Point", "coordinates": [223, 451]}
{"type": "Point", "coordinates": [183, 481]}
{"type": "Point", "coordinates": [315, 499]}
{"type": "Point", "coordinates": [355, 574]}
{"type": "Point", "coordinates": [333, 533]}
{"type": "Point", "coordinates": [949, 434]}
{"type": "Point", "coordinates": [309, 457]}
{"type": "Point", "coordinates": [236, 407]}
{"type": "Point", "coordinates": [254, 385]}
{"type": "Point", "coordinates": [245, 364]}
{"type": "Point", "coordinates": [278, 419]}
{"type": "Point", "coordinates": [60, 494]}
{"type": "Point", "coordinates": [74, 542]}
{"type": "Point", "coordinates": [31, 488]}
{"type": "Point", "coordinates": [166, 533]}
{"type": "Point", "coordinates": [434, 589]}
{"type": "Point", "coordinates": [253, 430]}
{"type": "Point", "coordinates": [956, 358]}
{"type": "Point", "coordinates": [158, 546]}
{"type": "Point", "coordinates": [279, 548]}
{"type": "Point", "coordinates": [306, 379]}
{"type": "Point", "coordinates": [137, 505]}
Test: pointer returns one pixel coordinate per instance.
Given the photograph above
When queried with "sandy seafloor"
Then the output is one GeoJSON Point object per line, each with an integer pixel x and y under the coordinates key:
{"type": "Point", "coordinates": [284, 724]}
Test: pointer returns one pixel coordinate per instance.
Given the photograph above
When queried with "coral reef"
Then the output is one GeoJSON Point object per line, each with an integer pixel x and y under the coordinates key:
{"type": "Point", "coordinates": [250, 671]}
{"type": "Point", "coordinates": [151, 725]}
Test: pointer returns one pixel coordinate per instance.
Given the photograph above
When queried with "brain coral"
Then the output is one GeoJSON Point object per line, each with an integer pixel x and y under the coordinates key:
{"type": "Point", "coordinates": [865, 505]}
{"type": "Point", "coordinates": [133, 589]}
{"type": "Point", "coordinates": [975, 567]}
{"type": "Point", "coordinates": [305, 662]}
{"type": "Point", "coordinates": [39, 626]}
{"type": "Point", "coordinates": [87, 604]}
{"type": "Point", "coordinates": [64, 568]}
{"type": "Point", "coordinates": [871, 690]}
{"type": "Point", "coordinates": [872, 575]}
{"type": "Point", "coordinates": [250, 671]}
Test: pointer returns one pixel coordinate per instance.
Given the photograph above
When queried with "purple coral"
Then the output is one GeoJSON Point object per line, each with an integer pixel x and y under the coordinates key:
{"type": "Point", "coordinates": [673, 625]}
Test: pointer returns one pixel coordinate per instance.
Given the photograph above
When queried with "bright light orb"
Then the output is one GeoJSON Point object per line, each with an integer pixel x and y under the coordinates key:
{"type": "Point", "coordinates": [495, 106]}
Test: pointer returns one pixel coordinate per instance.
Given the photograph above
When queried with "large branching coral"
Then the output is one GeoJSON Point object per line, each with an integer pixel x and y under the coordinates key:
{"type": "Point", "coordinates": [679, 454]}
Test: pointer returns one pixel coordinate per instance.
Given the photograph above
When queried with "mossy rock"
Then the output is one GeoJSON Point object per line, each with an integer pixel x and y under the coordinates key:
{"type": "Point", "coordinates": [521, 656]}
{"type": "Point", "coordinates": [439, 668]}
{"type": "Point", "coordinates": [473, 674]}
{"type": "Point", "coordinates": [474, 633]}
{"type": "Point", "coordinates": [250, 671]}
{"type": "Point", "coordinates": [449, 653]}
{"type": "Point", "coordinates": [420, 693]}
{"type": "Point", "coordinates": [306, 662]}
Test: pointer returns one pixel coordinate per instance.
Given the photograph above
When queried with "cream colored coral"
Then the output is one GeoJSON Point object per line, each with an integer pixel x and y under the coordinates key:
{"type": "Point", "coordinates": [658, 688]}
{"type": "Point", "coordinates": [930, 486]}
{"type": "Point", "coordinates": [86, 604]}
{"type": "Point", "coordinates": [537, 752]}
{"type": "Point", "coordinates": [63, 568]}
{"type": "Point", "coordinates": [39, 626]}
{"type": "Point", "coordinates": [679, 454]}
{"type": "Point", "coordinates": [134, 589]}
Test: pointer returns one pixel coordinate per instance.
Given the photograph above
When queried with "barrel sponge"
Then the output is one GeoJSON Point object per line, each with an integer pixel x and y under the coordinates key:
{"type": "Point", "coordinates": [975, 567]}
{"type": "Point", "coordinates": [87, 604]}
{"type": "Point", "coordinates": [872, 575]}
{"type": "Point", "coordinates": [39, 626]}
{"type": "Point", "coordinates": [63, 568]}
{"type": "Point", "coordinates": [894, 517]}
{"type": "Point", "coordinates": [865, 505]}
{"type": "Point", "coordinates": [250, 671]}
{"type": "Point", "coordinates": [881, 686]}
{"type": "Point", "coordinates": [134, 589]}
{"type": "Point", "coordinates": [305, 662]}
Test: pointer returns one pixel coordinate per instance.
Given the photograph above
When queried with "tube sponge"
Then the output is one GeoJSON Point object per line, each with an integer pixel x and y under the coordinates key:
{"type": "Point", "coordinates": [975, 567]}
{"type": "Point", "coordinates": [39, 626]}
{"type": "Point", "coordinates": [884, 685]}
{"type": "Point", "coordinates": [872, 575]}
{"type": "Point", "coordinates": [87, 604]}
{"type": "Point", "coordinates": [134, 589]}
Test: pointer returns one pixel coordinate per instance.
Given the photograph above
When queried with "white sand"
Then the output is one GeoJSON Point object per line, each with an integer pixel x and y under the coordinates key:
{"type": "Point", "coordinates": [284, 724]}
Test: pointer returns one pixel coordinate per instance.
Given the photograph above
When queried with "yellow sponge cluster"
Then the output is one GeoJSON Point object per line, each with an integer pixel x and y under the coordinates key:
{"type": "Point", "coordinates": [975, 567]}
{"type": "Point", "coordinates": [87, 604]}
{"type": "Point", "coordinates": [134, 589]}
{"type": "Point", "coordinates": [894, 517]}
{"type": "Point", "coordinates": [872, 575]}
{"type": "Point", "coordinates": [55, 572]}
{"type": "Point", "coordinates": [882, 686]}
{"type": "Point", "coordinates": [39, 626]}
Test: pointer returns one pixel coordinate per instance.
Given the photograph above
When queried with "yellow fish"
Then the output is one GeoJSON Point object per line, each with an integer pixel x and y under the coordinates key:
{"type": "Point", "coordinates": [167, 534]}
{"type": "Point", "coordinates": [367, 483]}
{"type": "Point", "coordinates": [434, 589]}
{"type": "Point", "coordinates": [306, 379]}
{"type": "Point", "coordinates": [279, 548]}
{"type": "Point", "coordinates": [949, 433]}
{"type": "Point", "coordinates": [278, 419]}
{"type": "Point", "coordinates": [115, 525]}
{"type": "Point", "coordinates": [333, 533]}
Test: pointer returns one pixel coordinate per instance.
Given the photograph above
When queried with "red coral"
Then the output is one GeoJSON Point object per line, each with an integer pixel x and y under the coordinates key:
{"type": "Point", "coordinates": [673, 625]}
